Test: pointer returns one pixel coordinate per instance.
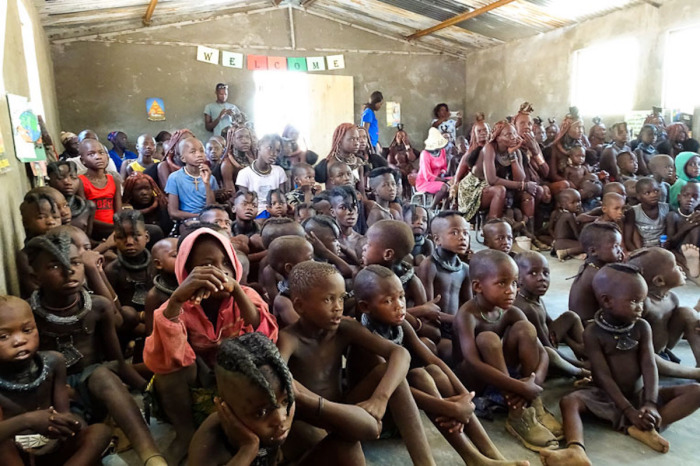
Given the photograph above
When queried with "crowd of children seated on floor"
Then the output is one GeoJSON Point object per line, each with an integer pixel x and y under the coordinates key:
{"type": "Point", "coordinates": [270, 318]}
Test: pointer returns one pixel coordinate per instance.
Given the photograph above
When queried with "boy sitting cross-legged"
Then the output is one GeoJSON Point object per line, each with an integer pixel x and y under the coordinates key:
{"type": "Point", "coordinates": [495, 347]}
{"type": "Point", "coordinates": [620, 349]}
{"type": "Point", "coordinates": [436, 389]}
{"type": "Point", "coordinates": [533, 277]}
{"type": "Point", "coordinates": [668, 319]}
{"type": "Point", "coordinates": [314, 346]}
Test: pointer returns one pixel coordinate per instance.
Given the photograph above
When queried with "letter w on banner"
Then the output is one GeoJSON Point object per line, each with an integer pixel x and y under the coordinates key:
{"type": "Point", "coordinates": [207, 55]}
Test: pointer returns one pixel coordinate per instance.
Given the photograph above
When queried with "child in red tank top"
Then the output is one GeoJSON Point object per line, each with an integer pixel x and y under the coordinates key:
{"type": "Point", "coordinates": [103, 189]}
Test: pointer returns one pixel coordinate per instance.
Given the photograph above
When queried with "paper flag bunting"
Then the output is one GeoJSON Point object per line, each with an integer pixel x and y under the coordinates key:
{"type": "Point", "coordinates": [276, 63]}
{"type": "Point", "coordinates": [296, 64]}
{"type": "Point", "coordinates": [316, 63]}
{"type": "Point", "coordinates": [232, 60]}
{"type": "Point", "coordinates": [207, 55]}
{"type": "Point", "coordinates": [335, 62]}
{"type": "Point", "coordinates": [257, 62]}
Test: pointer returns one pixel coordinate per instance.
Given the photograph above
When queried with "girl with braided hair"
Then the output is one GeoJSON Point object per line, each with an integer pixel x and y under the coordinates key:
{"type": "Point", "coordinates": [344, 148]}
{"type": "Point", "coordinates": [144, 195]}
{"type": "Point", "coordinates": [479, 137]}
{"type": "Point", "coordinates": [257, 403]}
{"type": "Point", "coordinates": [497, 169]}
{"type": "Point", "coordinates": [240, 151]}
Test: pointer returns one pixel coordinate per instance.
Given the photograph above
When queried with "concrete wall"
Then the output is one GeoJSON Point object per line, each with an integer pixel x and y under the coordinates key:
{"type": "Point", "coordinates": [538, 69]}
{"type": "Point", "coordinates": [102, 83]}
{"type": "Point", "coordinates": [15, 183]}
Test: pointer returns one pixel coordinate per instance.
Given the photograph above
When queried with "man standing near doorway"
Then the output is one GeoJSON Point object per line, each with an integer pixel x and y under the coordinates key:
{"type": "Point", "coordinates": [220, 114]}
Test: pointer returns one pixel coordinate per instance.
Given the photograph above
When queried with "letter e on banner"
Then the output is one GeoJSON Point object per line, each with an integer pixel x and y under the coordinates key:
{"type": "Point", "coordinates": [316, 63]}
{"type": "Point", "coordinates": [207, 55]}
{"type": "Point", "coordinates": [335, 62]}
{"type": "Point", "coordinates": [276, 63]}
{"type": "Point", "coordinates": [232, 60]}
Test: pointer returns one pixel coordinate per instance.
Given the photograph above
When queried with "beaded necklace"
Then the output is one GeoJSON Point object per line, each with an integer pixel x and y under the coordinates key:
{"type": "Point", "coordinates": [443, 264]}
{"type": "Point", "coordinates": [77, 205]}
{"type": "Point", "coordinates": [260, 172]}
{"type": "Point", "coordinates": [41, 311]}
{"type": "Point", "coordinates": [159, 283]}
{"type": "Point", "coordinates": [195, 179]}
{"type": "Point", "coordinates": [621, 333]}
{"type": "Point", "coordinates": [41, 365]}
{"type": "Point", "coordinates": [135, 267]}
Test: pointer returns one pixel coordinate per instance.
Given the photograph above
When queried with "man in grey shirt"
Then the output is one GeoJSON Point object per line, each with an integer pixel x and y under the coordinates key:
{"type": "Point", "coordinates": [220, 114]}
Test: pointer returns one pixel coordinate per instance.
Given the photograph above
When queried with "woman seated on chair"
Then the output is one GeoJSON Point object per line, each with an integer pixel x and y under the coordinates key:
{"type": "Point", "coordinates": [496, 174]}
{"type": "Point", "coordinates": [432, 176]}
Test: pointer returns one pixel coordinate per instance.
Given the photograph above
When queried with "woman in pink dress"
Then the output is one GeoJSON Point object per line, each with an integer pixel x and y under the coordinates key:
{"type": "Point", "coordinates": [433, 168]}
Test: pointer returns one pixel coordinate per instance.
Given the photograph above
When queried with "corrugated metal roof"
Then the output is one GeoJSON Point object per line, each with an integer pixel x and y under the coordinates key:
{"type": "Point", "coordinates": [396, 18]}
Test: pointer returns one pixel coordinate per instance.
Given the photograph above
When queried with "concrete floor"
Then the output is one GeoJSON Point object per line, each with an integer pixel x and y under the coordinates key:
{"type": "Point", "coordinates": [604, 445]}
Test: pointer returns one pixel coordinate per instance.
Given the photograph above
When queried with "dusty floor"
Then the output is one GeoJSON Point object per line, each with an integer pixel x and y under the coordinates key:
{"type": "Point", "coordinates": [604, 446]}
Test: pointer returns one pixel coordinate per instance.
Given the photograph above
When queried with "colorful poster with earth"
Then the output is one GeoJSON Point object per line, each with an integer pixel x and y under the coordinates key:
{"type": "Point", "coordinates": [26, 133]}
{"type": "Point", "coordinates": [155, 109]}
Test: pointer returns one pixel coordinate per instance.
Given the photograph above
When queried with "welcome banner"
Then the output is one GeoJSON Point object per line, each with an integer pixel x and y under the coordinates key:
{"type": "Point", "coordinates": [263, 62]}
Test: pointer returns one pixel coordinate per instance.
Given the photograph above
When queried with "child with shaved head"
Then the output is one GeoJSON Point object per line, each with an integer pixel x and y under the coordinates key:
{"type": "Point", "coordinates": [315, 345]}
{"type": "Point", "coordinates": [602, 243]}
{"type": "Point", "coordinates": [621, 351]}
{"type": "Point", "coordinates": [283, 254]}
{"type": "Point", "coordinates": [388, 243]}
{"type": "Point", "coordinates": [496, 348]}
{"type": "Point", "coordinates": [443, 273]}
{"type": "Point", "coordinates": [669, 320]}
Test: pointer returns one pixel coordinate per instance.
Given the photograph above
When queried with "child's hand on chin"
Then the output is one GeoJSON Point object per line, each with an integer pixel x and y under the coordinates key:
{"type": "Point", "coordinates": [237, 432]}
{"type": "Point", "coordinates": [201, 283]}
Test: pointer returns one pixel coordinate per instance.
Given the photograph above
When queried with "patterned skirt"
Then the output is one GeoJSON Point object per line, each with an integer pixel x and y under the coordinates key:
{"type": "Point", "coordinates": [469, 195]}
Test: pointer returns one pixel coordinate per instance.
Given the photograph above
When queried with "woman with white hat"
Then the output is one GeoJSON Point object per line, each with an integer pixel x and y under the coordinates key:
{"type": "Point", "coordinates": [433, 168]}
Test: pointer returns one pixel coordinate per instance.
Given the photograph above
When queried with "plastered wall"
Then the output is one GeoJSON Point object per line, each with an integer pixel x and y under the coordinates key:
{"type": "Point", "coordinates": [102, 83]}
{"type": "Point", "coordinates": [539, 69]}
{"type": "Point", "coordinates": [15, 183]}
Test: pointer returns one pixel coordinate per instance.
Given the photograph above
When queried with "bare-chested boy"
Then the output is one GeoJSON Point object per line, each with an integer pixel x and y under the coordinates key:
{"type": "Point", "coordinates": [388, 243]}
{"type": "Point", "coordinates": [566, 229]}
{"type": "Point", "coordinates": [36, 425]}
{"type": "Point", "coordinates": [383, 184]}
{"type": "Point", "coordinates": [314, 346]}
{"type": "Point", "coordinates": [345, 210]}
{"type": "Point", "coordinates": [496, 347]}
{"type": "Point", "coordinates": [436, 389]}
{"type": "Point", "coordinates": [602, 243]}
{"type": "Point", "coordinates": [533, 278]}
{"type": "Point", "coordinates": [620, 348]}
{"type": "Point", "coordinates": [283, 254]}
{"type": "Point", "coordinates": [668, 319]}
{"type": "Point", "coordinates": [417, 217]}
{"type": "Point", "coordinates": [443, 273]}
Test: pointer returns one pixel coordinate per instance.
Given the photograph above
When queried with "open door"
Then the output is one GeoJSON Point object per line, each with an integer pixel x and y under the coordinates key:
{"type": "Point", "coordinates": [313, 103]}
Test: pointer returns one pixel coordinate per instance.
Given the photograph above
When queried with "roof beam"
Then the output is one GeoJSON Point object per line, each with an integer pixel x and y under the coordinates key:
{"type": "Point", "coordinates": [459, 18]}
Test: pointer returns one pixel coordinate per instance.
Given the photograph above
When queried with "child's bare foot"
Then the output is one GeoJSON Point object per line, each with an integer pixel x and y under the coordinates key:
{"type": "Point", "coordinates": [581, 257]}
{"type": "Point", "coordinates": [692, 259]}
{"type": "Point", "coordinates": [651, 438]}
{"type": "Point", "coordinates": [583, 381]}
{"type": "Point", "coordinates": [571, 456]}
{"type": "Point", "coordinates": [562, 254]}
{"type": "Point", "coordinates": [484, 461]}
